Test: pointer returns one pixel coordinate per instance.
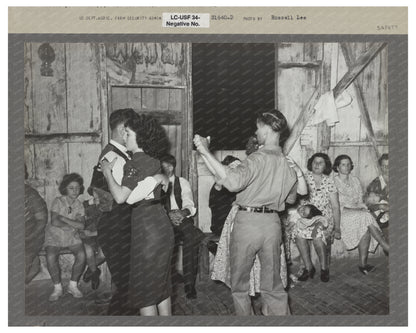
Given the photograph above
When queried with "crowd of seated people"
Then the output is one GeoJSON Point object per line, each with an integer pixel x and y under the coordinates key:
{"type": "Point", "coordinates": [335, 207]}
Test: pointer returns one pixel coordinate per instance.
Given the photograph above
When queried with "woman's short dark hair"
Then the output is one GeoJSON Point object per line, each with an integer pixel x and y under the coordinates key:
{"type": "Point", "coordinates": [313, 211]}
{"type": "Point", "coordinates": [277, 121]}
{"type": "Point", "coordinates": [229, 159]}
{"type": "Point", "coordinates": [338, 160]}
{"type": "Point", "coordinates": [150, 135]}
{"type": "Point", "coordinates": [68, 179]}
{"type": "Point", "coordinates": [383, 157]}
{"type": "Point", "coordinates": [328, 164]}
{"type": "Point", "coordinates": [168, 158]}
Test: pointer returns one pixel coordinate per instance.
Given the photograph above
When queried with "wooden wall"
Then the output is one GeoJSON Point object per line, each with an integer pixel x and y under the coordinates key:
{"type": "Point", "coordinates": [349, 136]}
{"type": "Point", "coordinates": [66, 115]}
{"type": "Point", "coordinates": [63, 125]}
{"type": "Point", "coordinates": [300, 69]}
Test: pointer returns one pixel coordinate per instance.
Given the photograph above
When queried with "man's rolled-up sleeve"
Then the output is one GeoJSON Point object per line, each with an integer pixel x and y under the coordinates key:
{"type": "Point", "coordinates": [187, 197]}
{"type": "Point", "coordinates": [241, 176]}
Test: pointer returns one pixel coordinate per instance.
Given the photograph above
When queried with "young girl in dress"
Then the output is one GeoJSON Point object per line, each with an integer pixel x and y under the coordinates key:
{"type": "Point", "coordinates": [67, 219]}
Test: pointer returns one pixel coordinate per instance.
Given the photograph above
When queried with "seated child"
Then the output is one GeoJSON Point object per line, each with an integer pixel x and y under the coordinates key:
{"type": "Point", "coordinates": [67, 219]}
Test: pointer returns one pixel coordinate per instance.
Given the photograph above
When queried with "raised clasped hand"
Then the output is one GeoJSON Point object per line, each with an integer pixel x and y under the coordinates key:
{"type": "Point", "coordinates": [201, 143]}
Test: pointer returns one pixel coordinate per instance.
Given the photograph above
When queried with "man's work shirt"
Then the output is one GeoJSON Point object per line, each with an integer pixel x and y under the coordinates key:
{"type": "Point", "coordinates": [186, 195]}
{"type": "Point", "coordinates": [264, 179]}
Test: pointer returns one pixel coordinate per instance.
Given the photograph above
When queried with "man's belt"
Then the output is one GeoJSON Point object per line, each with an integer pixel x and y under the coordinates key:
{"type": "Point", "coordinates": [262, 209]}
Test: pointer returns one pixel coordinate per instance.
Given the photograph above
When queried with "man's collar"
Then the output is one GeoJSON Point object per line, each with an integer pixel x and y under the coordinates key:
{"type": "Point", "coordinates": [172, 178]}
{"type": "Point", "coordinates": [119, 146]}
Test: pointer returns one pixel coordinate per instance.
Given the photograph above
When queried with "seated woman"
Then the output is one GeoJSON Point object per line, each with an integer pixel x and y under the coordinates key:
{"type": "Point", "coordinates": [67, 219]}
{"type": "Point", "coordinates": [358, 226]}
{"type": "Point", "coordinates": [377, 197]}
{"type": "Point", "coordinates": [324, 196]}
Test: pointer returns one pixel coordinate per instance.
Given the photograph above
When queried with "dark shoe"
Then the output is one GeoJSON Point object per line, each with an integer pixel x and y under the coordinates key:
{"type": "Point", "coordinates": [95, 279]}
{"type": "Point", "coordinates": [366, 269]}
{"type": "Point", "coordinates": [324, 275]}
{"type": "Point", "coordinates": [87, 275]}
{"type": "Point", "coordinates": [306, 274]}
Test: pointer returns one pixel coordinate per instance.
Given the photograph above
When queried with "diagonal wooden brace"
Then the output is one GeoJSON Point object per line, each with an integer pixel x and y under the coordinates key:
{"type": "Point", "coordinates": [358, 89]}
{"type": "Point", "coordinates": [349, 77]}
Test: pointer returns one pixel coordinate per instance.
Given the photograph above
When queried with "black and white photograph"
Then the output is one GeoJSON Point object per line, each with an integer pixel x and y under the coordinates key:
{"type": "Point", "coordinates": [208, 166]}
{"type": "Point", "coordinates": [221, 179]}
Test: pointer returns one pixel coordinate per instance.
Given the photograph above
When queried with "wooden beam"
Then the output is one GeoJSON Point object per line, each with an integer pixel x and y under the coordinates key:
{"type": "Point", "coordinates": [93, 137]}
{"type": "Point", "coordinates": [357, 143]}
{"type": "Point", "coordinates": [358, 89]}
{"type": "Point", "coordinates": [103, 86]}
{"type": "Point", "coordinates": [324, 132]}
{"type": "Point", "coordinates": [343, 84]}
{"type": "Point", "coordinates": [300, 64]}
{"type": "Point", "coordinates": [165, 117]}
{"type": "Point", "coordinates": [356, 68]}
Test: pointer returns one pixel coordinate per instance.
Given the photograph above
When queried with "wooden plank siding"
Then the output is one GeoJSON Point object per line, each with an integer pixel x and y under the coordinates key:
{"type": "Point", "coordinates": [49, 93]}
{"type": "Point", "coordinates": [62, 115]}
{"type": "Point", "coordinates": [296, 83]}
{"type": "Point", "coordinates": [83, 89]}
{"type": "Point", "coordinates": [350, 134]}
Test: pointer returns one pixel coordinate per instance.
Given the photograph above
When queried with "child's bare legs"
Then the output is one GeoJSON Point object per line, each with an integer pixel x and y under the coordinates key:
{"type": "Point", "coordinates": [79, 263]}
{"type": "Point", "coordinates": [52, 257]}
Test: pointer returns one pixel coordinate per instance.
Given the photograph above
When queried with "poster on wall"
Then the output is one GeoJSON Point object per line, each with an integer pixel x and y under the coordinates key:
{"type": "Point", "coordinates": [187, 165]}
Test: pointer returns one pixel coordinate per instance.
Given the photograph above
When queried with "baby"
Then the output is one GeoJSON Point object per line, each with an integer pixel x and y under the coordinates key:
{"type": "Point", "coordinates": [379, 208]}
{"type": "Point", "coordinates": [309, 222]}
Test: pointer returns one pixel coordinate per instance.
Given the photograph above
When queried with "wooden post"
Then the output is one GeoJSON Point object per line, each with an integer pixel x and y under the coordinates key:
{"type": "Point", "coordinates": [358, 89]}
{"type": "Point", "coordinates": [324, 132]}
{"type": "Point", "coordinates": [343, 84]}
{"type": "Point", "coordinates": [103, 86]}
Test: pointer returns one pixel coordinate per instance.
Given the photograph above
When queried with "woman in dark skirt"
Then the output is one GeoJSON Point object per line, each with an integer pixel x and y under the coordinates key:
{"type": "Point", "coordinates": [152, 238]}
